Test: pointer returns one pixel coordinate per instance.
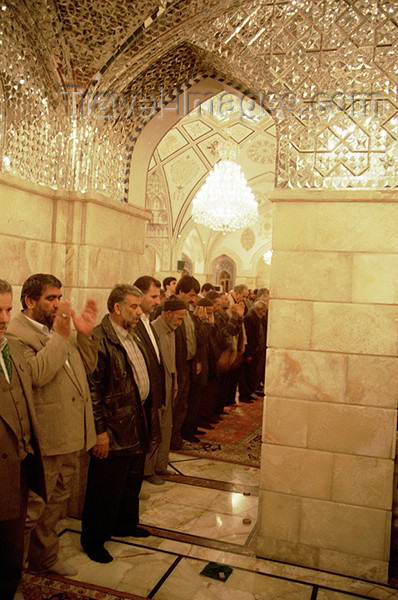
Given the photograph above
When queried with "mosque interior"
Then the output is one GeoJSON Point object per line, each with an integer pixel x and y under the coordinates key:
{"type": "Point", "coordinates": [112, 114]}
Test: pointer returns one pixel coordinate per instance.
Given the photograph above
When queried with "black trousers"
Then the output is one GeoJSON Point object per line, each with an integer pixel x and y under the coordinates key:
{"type": "Point", "coordinates": [261, 369]}
{"type": "Point", "coordinates": [231, 382]}
{"type": "Point", "coordinates": [194, 401]}
{"type": "Point", "coordinates": [111, 504]}
{"type": "Point", "coordinates": [220, 392]}
{"type": "Point", "coordinates": [209, 395]}
{"type": "Point", "coordinates": [248, 378]}
{"type": "Point", "coordinates": [11, 545]}
{"type": "Point", "coordinates": [180, 405]}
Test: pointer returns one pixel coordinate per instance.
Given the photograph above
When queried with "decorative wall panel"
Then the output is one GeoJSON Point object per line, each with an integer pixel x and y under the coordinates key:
{"type": "Point", "coordinates": [82, 79]}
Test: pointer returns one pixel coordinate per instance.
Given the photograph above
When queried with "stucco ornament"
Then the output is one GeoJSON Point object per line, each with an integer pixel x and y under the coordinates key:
{"type": "Point", "coordinates": [247, 239]}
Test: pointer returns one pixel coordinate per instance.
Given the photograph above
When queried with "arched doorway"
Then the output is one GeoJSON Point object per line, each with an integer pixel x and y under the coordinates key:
{"type": "Point", "coordinates": [224, 272]}
{"type": "Point", "coordinates": [188, 265]}
{"type": "Point", "coordinates": [225, 281]}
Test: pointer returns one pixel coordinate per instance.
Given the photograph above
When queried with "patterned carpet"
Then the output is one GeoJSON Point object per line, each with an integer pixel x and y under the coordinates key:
{"type": "Point", "coordinates": [237, 438]}
{"type": "Point", "coordinates": [54, 587]}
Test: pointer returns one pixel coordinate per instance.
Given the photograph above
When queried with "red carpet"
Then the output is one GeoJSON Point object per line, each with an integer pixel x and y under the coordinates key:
{"type": "Point", "coordinates": [237, 438]}
{"type": "Point", "coordinates": [58, 588]}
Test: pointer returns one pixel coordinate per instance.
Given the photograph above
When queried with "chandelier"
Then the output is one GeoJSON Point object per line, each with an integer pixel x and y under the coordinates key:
{"type": "Point", "coordinates": [225, 202]}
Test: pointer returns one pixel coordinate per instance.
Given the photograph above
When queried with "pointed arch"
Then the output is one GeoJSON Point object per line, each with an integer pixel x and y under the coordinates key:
{"type": "Point", "coordinates": [223, 264]}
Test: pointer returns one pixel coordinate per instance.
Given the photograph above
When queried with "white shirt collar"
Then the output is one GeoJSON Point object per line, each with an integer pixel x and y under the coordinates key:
{"type": "Point", "coordinates": [40, 326]}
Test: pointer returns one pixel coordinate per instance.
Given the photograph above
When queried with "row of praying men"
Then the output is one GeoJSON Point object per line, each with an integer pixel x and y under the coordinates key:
{"type": "Point", "coordinates": [126, 390]}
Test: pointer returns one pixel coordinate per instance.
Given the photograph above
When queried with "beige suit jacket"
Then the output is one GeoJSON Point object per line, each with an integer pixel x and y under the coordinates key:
{"type": "Point", "coordinates": [10, 479]}
{"type": "Point", "coordinates": [61, 394]}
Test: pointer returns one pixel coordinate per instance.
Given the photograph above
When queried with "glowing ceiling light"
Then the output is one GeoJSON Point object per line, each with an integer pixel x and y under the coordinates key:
{"type": "Point", "coordinates": [267, 256]}
{"type": "Point", "coordinates": [225, 202]}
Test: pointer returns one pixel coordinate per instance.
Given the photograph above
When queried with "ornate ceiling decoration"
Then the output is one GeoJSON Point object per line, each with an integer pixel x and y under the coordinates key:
{"type": "Point", "coordinates": [328, 72]}
{"type": "Point", "coordinates": [325, 69]}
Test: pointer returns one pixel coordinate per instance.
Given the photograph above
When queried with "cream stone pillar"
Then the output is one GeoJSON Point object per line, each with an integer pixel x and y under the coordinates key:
{"type": "Point", "coordinates": [331, 382]}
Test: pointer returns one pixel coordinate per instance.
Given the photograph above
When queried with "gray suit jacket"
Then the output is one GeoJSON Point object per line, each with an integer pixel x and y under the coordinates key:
{"type": "Point", "coordinates": [61, 394]}
{"type": "Point", "coordinates": [170, 378]}
{"type": "Point", "coordinates": [10, 480]}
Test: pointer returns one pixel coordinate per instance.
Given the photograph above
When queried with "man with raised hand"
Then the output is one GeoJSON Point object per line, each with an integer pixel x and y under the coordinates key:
{"type": "Point", "coordinates": [239, 294]}
{"type": "Point", "coordinates": [59, 361]}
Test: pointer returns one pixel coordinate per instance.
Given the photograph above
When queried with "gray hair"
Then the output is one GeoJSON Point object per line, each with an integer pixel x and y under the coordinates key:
{"type": "Point", "coordinates": [260, 304]}
{"type": "Point", "coordinates": [119, 293]}
{"type": "Point", "coordinates": [5, 287]}
{"type": "Point", "coordinates": [240, 288]}
{"type": "Point", "coordinates": [262, 292]}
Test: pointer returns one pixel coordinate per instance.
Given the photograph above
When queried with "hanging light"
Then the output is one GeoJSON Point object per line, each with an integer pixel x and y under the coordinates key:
{"type": "Point", "coordinates": [267, 256]}
{"type": "Point", "coordinates": [225, 202]}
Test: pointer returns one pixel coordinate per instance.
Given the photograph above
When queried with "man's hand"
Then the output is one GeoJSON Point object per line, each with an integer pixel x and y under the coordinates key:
{"type": "Point", "coordinates": [200, 312]}
{"type": "Point", "coordinates": [238, 309]}
{"type": "Point", "coordinates": [85, 323]}
{"type": "Point", "coordinates": [61, 323]}
{"type": "Point", "coordinates": [101, 448]}
{"type": "Point", "coordinates": [198, 368]}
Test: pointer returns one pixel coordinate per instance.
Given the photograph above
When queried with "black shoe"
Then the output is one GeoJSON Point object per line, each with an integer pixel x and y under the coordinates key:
{"type": "Point", "coordinates": [177, 445]}
{"type": "Point", "coordinates": [98, 554]}
{"type": "Point", "coordinates": [215, 420]}
{"type": "Point", "coordinates": [246, 400]}
{"type": "Point", "coordinates": [192, 438]}
{"type": "Point", "coordinates": [132, 532]}
{"type": "Point", "coordinates": [205, 426]}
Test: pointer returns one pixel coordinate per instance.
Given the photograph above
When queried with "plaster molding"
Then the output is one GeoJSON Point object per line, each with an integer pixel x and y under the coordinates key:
{"type": "Point", "coordinates": [309, 195]}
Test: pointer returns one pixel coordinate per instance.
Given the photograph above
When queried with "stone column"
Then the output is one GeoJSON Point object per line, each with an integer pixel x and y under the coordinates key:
{"type": "Point", "coordinates": [331, 382]}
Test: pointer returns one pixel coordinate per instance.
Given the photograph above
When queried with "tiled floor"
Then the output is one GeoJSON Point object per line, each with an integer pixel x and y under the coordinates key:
{"type": "Point", "coordinates": [195, 518]}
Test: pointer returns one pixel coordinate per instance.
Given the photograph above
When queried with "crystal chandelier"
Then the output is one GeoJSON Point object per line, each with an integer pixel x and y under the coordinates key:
{"type": "Point", "coordinates": [225, 202]}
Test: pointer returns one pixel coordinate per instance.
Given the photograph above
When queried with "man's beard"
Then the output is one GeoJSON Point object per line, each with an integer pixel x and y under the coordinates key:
{"type": "Point", "coordinates": [39, 316]}
{"type": "Point", "coordinates": [128, 325]}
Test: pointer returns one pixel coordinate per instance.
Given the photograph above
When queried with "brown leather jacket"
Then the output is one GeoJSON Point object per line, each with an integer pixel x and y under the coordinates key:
{"type": "Point", "coordinates": [117, 407]}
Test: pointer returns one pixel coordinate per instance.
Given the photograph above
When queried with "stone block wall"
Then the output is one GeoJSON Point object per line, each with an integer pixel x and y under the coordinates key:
{"type": "Point", "coordinates": [331, 382]}
{"type": "Point", "coordinates": [88, 241]}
